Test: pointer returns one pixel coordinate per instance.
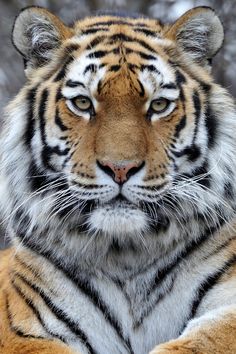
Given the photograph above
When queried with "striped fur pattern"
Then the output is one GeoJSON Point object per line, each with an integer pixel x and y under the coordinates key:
{"type": "Point", "coordinates": [99, 266]}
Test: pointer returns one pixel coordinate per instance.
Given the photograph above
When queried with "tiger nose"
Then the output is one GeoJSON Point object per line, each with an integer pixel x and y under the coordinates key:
{"type": "Point", "coordinates": [120, 172]}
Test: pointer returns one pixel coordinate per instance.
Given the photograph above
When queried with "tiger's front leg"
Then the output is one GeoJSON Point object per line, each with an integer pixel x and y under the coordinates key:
{"type": "Point", "coordinates": [33, 346]}
{"type": "Point", "coordinates": [212, 333]}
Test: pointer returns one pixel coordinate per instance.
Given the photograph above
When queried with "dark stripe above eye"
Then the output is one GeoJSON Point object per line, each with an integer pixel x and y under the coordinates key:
{"type": "Point", "coordinates": [170, 85]}
{"type": "Point", "coordinates": [71, 83]}
{"type": "Point", "coordinates": [149, 68]}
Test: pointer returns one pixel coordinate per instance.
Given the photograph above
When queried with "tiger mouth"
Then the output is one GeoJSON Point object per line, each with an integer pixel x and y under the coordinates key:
{"type": "Point", "coordinates": [120, 202]}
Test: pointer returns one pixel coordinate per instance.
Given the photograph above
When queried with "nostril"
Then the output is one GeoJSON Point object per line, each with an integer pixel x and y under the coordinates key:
{"type": "Point", "coordinates": [132, 171]}
{"type": "Point", "coordinates": [106, 169]}
{"type": "Point", "coordinates": [120, 172]}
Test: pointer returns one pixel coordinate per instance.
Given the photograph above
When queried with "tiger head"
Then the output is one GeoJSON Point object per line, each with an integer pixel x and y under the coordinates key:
{"type": "Point", "coordinates": [119, 130]}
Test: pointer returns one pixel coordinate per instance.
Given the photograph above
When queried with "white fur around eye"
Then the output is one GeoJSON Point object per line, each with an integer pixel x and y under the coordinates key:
{"type": "Point", "coordinates": [156, 116]}
{"type": "Point", "coordinates": [77, 112]}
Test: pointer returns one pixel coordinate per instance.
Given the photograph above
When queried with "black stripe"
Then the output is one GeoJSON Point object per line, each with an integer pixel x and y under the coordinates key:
{"type": "Point", "coordinates": [110, 23]}
{"type": "Point", "coordinates": [61, 74]}
{"type": "Point", "coordinates": [132, 67]}
{"type": "Point", "coordinates": [142, 90]}
{"type": "Point", "coordinates": [180, 126]}
{"type": "Point", "coordinates": [148, 310]}
{"type": "Point", "coordinates": [30, 127]}
{"type": "Point", "coordinates": [193, 246]}
{"type": "Point", "coordinates": [46, 149]}
{"type": "Point", "coordinates": [114, 68]}
{"type": "Point", "coordinates": [180, 78]}
{"type": "Point", "coordinates": [229, 190]}
{"type": "Point", "coordinates": [17, 331]}
{"type": "Point", "coordinates": [170, 85]}
{"type": "Point", "coordinates": [90, 67]}
{"type": "Point", "coordinates": [197, 107]}
{"type": "Point", "coordinates": [168, 270]}
{"type": "Point", "coordinates": [192, 152]}
{"type": "Point", "coordinates": [98, 54]}
{"type": "Point", "coordinates": [59, 122]}
{"type": "Point", "coordinates": [99, 87]}
{"type": "Point", "coordinates": [59, 313]}
{"type": "Point", "coordinates": [208, 284]}
{"type": "Point", "coordinates": [143, 55]}
{"type": "Point", "coordinates": [151, 68]}
{"type": "Point", "coordinates": [42, 109]}
{"type": "Point", "coordinates": [146, 31]}
{"type": "Point", "coordinates": [201, 170]}
{"type": "Point", "coordinates": [212, 126]}
{"type": "Point", "coordinates": [59, 95]}
{"type": "Point", "coordinates": [85, 288]}
{"type": "Point", "coordinates": [124, 38]}
{"type": "Point", "coordinates": [95, 42]}
{"type": "Point", "coordinates": [35, 311]}
{"type": "Point", "coordinates": [94, 30]}
{"type": "Point", "coordinates": [72, 83]}
{"type": "Point", "coordinates": [37, 178]}
{"type": "Point", "coordinates": [72, 47]}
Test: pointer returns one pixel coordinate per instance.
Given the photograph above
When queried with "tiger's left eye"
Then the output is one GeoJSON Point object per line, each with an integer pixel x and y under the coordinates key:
{"type": "Point", "coordinates": [159, 105]}
{"type": "Point", "coordinates": [83, 103]}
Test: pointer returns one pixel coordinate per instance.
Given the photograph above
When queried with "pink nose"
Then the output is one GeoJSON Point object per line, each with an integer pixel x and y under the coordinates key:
{"type": "Point", "coordinates": [120, 172]}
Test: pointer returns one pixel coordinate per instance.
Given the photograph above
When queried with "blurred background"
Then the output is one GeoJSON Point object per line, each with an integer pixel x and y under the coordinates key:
{"type": "Point", "coordinates": [11, 65]}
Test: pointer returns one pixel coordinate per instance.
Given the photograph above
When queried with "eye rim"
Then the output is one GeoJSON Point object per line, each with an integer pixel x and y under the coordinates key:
{"type": "Point", "coordinates": [162, 110]}
{"type": "Point", "coordinates": [89, 109]}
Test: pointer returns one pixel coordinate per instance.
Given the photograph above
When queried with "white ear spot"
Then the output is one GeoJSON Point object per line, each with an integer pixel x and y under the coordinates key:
{"type": "Point", "coordinates": [199, 33]}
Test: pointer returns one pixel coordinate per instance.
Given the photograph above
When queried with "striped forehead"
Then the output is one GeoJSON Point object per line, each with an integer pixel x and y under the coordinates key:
{"type": "Point", "coordinates": [92, 72]}
{"type": "Point", "coordinates": [107, 46]}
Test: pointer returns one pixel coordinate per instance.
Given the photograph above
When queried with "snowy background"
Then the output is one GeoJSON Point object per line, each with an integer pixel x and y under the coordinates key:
{"type": "Point", "coordinates": [11, 66]}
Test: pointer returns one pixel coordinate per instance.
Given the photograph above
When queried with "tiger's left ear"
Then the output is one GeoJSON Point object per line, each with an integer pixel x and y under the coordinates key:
{"type": "Point", "coordinates": [198, 33]}
{"type": "Point", "coordinates": [37, 33]}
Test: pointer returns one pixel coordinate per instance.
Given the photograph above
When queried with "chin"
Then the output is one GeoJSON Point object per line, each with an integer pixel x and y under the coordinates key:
{"type": "Point", "coordinates": [118, 219]}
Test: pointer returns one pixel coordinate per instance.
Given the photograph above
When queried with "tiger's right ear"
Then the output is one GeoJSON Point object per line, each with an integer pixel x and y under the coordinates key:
{"type": "Point", "coordinates": [37, 33]}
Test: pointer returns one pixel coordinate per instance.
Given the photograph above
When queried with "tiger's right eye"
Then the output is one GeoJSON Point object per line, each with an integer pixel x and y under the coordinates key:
{"type": "Point", "coordinates": [82, 103]}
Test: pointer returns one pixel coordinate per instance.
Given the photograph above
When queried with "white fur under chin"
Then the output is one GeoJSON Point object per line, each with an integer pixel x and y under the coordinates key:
{"type": "Point", "coordinates": [118, 219]}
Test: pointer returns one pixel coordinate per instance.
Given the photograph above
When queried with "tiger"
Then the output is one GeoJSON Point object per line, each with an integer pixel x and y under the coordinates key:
{"type": "Point", "coordinates": [118, 189]}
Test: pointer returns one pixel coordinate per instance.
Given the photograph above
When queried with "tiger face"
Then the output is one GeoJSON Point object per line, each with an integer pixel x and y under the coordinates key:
{"type": "Point", "coordinates": [117, 116]}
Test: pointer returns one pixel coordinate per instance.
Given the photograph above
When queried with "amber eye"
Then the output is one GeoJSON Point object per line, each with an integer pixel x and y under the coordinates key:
{"type": "Point", "coordinates": [82, 103]}
{"type": "Point", "coordinates": [159, 105]}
